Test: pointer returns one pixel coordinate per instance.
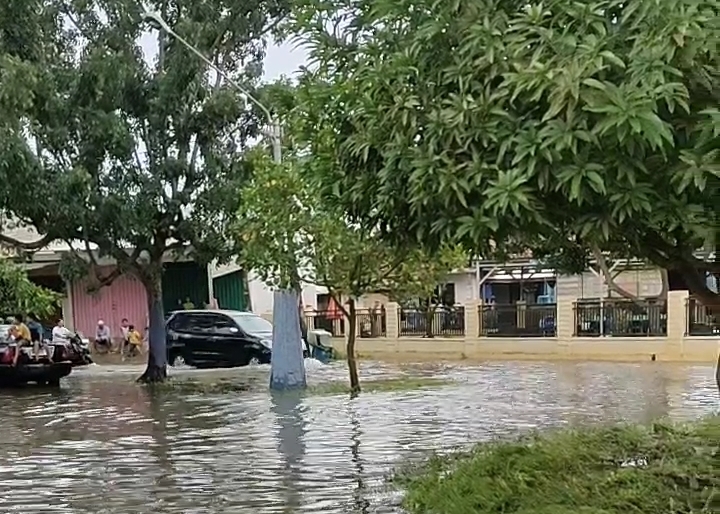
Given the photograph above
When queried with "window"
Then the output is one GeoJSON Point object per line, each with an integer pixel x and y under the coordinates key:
{"type": "Point", "coordinates": [223, 325]}
{"type": "Point", "coordinates": [179, 323]}
{"type": "Point", "coordinates": [201, 323]}
{"type": "Point", "coordinates": [252, 324]}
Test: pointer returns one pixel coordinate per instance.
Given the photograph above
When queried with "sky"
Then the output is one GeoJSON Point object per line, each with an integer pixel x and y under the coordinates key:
{"type": "Point", "coordinates": [283, 59]}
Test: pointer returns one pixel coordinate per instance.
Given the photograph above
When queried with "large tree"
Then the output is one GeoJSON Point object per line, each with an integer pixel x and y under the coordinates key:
{"type": "Point", "coordinates": [138, 155]}
{"type": "Point", "coordinates": [566, 128]}
{"type": "Point", "coordinates": [290, 233]}
{"type": "Point", "coordinates": [569, 128]}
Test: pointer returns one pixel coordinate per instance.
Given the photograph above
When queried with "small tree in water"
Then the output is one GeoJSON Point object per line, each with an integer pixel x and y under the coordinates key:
{"type": "Point", "coordinates": [138, 160]}
{"type": "Point", "coordinates": [287, 231]}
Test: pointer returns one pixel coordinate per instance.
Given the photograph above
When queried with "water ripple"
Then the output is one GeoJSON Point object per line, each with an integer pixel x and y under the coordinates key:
{"type": "Point", "coordinates": [104, 445]}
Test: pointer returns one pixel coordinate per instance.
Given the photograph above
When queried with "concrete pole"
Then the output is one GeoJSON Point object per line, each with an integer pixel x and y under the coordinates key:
{"type": "Point", "coordinates": [287, 366]}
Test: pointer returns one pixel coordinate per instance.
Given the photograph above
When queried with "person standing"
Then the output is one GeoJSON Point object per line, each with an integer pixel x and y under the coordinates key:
{"type": "Point", "coordinates": [36, 333]}
{"type": "Point", "coordinates": [125, 329]}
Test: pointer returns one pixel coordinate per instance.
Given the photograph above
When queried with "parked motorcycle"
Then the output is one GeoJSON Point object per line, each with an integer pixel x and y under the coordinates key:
{"type": "Point", "coordinates": [76, 351]}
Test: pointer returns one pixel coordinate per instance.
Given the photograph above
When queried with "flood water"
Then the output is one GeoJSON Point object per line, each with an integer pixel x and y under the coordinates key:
{"type": "Point", "coordinates": [104, 445]}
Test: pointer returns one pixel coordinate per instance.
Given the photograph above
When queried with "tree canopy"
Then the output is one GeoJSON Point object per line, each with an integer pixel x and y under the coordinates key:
{"type": "Point", "coordinates": [289, 233]}
{"type": "Point", "coordinates": [563, 128]}
{"type": "Point", "coordinates": [139, 155]}
{"type": "Point", "coordinates": [102, 143]}
{"type": "Point", "coordinates": [19, 295]}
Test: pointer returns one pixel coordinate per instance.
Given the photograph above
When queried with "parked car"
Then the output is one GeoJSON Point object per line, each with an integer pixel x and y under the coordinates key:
{"type": "Point", "coordinates": [218, 338]}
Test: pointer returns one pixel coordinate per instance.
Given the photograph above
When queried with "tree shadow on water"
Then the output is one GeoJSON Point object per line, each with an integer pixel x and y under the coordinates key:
{"type": "Point", "coordinates": [361, 503]}
{"type": "Point", "coordinates": [292, 427]}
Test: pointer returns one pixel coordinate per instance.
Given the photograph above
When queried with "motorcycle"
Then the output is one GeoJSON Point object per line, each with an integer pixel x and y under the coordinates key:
{"type": "Point", "coordinates": [76, 351]}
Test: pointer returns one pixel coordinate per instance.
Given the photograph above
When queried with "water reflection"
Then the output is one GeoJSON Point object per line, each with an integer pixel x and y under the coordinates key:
{"type": "Point", "coordinates": [102, 444]}
{"type": "Point", "coordinates": [291, 428]}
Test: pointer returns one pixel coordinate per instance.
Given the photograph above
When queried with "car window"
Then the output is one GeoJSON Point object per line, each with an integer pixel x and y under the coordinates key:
{"type": "Point", "coordinates": [252, 324]}
{"type": "Point", "coordinates": [179, 323]}
{"type": "Point", "coordinates": [202, 323]}
{"type": "Point", "coordinates": [223, 325]}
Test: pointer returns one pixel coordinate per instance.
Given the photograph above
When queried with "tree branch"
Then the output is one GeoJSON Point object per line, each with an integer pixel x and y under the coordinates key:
{"type": "Point", "coordinates": [607, 274]}
{"type": "Point", "coordinates": [20, 245]}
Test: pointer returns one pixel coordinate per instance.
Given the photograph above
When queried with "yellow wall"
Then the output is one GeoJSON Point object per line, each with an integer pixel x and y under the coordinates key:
{"type": "Point", "coordinates": [674, 347]}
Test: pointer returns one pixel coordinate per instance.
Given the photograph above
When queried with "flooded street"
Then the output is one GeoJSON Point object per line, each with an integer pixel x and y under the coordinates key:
{"type": "Point", "coordinates": [103, 444]}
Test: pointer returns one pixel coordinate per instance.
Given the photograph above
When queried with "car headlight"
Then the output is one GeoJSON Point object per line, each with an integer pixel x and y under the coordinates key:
{"type": "Point", "coordinates": [267, 343]}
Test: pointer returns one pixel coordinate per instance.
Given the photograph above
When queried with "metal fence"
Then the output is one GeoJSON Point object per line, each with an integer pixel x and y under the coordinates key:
{"type": "Point", "coordinates": [370, 323]}
{"type": "Point", "coordinates": [701, 320]}
{"type": "Point", "coordinates": [518, 320]}
{"type": "Point", "coordinates": [443, 322]}
{"type": "Point", "coordinates": [620, 317]}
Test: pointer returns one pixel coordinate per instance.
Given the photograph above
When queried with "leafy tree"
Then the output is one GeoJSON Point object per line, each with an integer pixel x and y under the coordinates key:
{"type": "Point", "coordinates": [138, 159]}
{"type": "Point", "coordinates": [564, 128]}
{"type": "Point", "coordinates": [289, 233]}
{"type": "Point", "coordinates": [19, 295]}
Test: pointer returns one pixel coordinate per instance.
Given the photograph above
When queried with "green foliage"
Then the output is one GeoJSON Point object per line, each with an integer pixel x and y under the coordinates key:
{"type": "Point", "coordinates": [99, 144]}
{"type": "Point", "coordinates": [552, 126]}
{"type": "Point", "coordinates": [289, 233]}
{"type": "Point", "coordinates": [18, 295]}
{"type": "Point", "coordinates": [610, 470]}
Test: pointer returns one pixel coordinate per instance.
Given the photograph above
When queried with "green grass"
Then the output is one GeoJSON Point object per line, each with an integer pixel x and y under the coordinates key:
{"type": "Point", "coordinates": [582, 471]}
{"type": "Point", "coordinates": [377, 386]}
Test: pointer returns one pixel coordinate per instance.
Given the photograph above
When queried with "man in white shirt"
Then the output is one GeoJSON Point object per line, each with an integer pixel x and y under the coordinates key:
{"type": "Point", "coordinates": [60, 333]}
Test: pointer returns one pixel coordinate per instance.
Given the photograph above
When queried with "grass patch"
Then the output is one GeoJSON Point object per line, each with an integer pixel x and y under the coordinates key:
{"type": "Point", "coordinates": [664, 468]}
{"type": "Point", "coordinates": [378, 386]}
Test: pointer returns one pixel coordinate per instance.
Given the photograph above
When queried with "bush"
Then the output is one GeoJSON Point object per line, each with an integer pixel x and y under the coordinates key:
{"type": "Point", "coordinates": [644, 470]}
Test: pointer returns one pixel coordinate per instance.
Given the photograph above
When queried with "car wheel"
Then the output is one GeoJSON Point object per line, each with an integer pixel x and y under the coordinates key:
{"type": "Point", "coordinates": [254, 361]}
{"type": "Point", "coordinates": [178, 360]}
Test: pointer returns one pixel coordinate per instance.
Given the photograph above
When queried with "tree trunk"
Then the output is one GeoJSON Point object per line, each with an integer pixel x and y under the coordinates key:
{"type": "Point", "coordinates": [156, 370]}
{"type": "Point", "coordinates": [351, 360]}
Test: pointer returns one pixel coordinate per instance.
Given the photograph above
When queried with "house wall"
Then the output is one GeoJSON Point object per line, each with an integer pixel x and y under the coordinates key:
{"type": "Point", "coordinates": [124, 298]}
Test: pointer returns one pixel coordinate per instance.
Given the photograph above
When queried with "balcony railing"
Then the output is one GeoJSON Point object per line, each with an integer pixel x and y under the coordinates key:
{"type": "Point", "coordinates": [620, 317]}
{"type": "Point", "coordinates": [518, 320]}
{"type": "Point", "coordinates": [701, 320]}
{"type": "Point", "coordinates": [370, 322]}
{"type": "Point", "coordinates": [443, 322]}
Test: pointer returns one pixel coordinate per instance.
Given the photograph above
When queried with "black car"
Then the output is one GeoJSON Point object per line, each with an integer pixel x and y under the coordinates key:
{"type": "Point", "coordinates": [218, 338]}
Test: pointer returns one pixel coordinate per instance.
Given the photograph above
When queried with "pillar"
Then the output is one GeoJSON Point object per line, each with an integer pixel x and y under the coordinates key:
{"type": "Point", "coordinates": [392, 320]}
{"type": "Point", "coordinates": [676, 321]}
{"type": "Point", "coordinates": [472, 319]}
{"type": "Point", "coordinates": [287, 366]}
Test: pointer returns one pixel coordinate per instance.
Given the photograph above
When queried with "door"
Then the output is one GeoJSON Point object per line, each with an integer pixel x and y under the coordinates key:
{"type": "Point", "coordinates": [203, 344]}
{"type": "Point", "coordinates": [230, 341]}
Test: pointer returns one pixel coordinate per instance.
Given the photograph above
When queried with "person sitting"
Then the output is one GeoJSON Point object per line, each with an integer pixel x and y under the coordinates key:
{"type": "Point", "coordinates": [135, 341]}
{"type": "Point", "coordinates": [60, 333]}
{"type": "Point", "coordinates": [21, 334]}
{"type": "Point", "coordinates": [102, 336]}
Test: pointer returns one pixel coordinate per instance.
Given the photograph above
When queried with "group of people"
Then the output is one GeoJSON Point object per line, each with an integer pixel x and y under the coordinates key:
{"type": "Point", "coordinates": [26, 332]}
{"type": "Point", "coordinates": [131, 342]}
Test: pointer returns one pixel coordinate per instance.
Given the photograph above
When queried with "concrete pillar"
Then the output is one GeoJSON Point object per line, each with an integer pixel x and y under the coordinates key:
{"type": "Point", "coordinates": [472, 319]}
{"type": "Point", "coordinates": [676, 321]}
{"type": "Point", "coordinates": [566, 296]}
{"type": "Point", "coordinates": [392, 320]}
{"type": "Point", "coordinates": [287, 366]}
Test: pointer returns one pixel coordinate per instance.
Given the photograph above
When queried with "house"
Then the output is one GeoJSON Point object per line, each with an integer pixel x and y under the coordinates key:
{"type": "Point", "coordinates": [82, 306]}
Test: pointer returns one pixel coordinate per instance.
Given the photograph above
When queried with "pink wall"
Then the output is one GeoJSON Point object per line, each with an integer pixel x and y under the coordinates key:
{"type": "Point", "coordinates": [124, 298]}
